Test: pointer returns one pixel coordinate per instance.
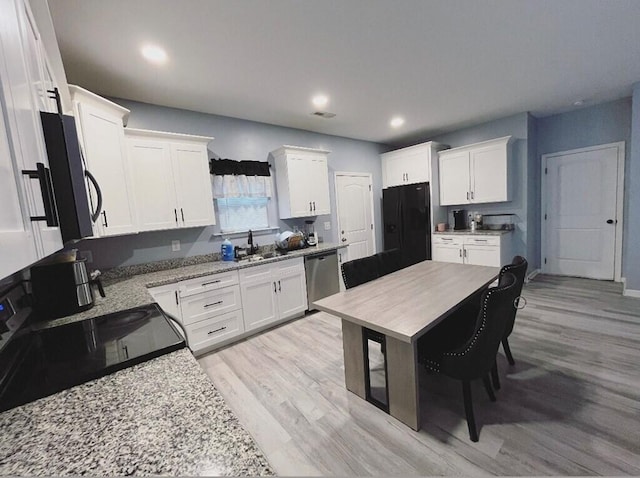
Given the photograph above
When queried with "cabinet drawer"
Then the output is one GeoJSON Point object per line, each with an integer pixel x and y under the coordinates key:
{"type": "Point", "coordinates": [256, 273]}
{"type": "Point", "coordinates": [206, 283]}
{"type": "Point", "coordinates": [214, 330]}
{"type": "Point", "coordinates": [211, 303]}
{"type": "Point", "coordinates": [482, 240]}
{"type": "Point", "coordinates": [289, 266]}
{"type": "Point", "coordinates": [441, 239]}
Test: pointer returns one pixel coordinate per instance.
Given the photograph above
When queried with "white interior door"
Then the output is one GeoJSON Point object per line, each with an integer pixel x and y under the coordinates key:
{"type": "Point", "coordinates": [581, 190]}
{"type": "Point", "coordinates": [355, 213]}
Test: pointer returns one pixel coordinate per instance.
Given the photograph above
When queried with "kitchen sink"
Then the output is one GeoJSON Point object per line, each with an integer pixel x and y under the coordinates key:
{"type": "Point", "coordinates": [259, 257]}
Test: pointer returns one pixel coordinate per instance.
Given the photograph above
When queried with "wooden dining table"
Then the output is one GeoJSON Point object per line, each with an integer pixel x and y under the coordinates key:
{"type": "Point", "coordinates": [402, 306]}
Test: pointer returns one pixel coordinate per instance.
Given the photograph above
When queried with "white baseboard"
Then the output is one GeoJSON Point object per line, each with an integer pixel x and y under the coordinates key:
{"type": "Point", "coordinates": [629, 292]}
{"type": "Point", "coordinates": [532, 274]}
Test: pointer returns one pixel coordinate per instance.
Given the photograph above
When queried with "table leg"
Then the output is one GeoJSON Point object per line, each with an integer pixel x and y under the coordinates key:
{"type": "Point", "coordinates": [354, 373]}
{"type": "Point", "coordinates": [402, 379]}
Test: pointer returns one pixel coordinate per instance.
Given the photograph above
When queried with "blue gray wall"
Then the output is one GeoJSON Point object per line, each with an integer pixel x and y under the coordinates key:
{"type": "Point", "coordinates": [236, 139]}
{"type": "Point", "coordinates": [601, 124]}
{"type": "Point", "coordinates": [631, 268]}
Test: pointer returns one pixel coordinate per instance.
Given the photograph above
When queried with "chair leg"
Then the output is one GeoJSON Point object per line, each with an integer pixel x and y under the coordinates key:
{"type": "Point", "coordinates": [507, 351]}
{"type": "Point", "coordinates": [488, 388]}
{"type": "Point", "coordinates": [495, 377]}
{"type": "Point", "coordinates": [468, 409]}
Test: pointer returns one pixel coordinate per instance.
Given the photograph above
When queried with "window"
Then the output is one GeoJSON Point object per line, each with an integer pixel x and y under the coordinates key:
{"type": "Point", "coordinates": [240, 214]}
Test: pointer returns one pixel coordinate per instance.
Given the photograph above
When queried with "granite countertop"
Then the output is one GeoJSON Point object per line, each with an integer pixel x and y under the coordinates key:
{"type": "Point", "coordinates": [161, 417]}
{"type": "Point", "coordinates": [477, 232]}
{"type": "Point", "coordinates": [127, 288]}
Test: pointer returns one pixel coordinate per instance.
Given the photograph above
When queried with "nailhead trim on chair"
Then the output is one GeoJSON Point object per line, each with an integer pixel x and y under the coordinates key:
{"type": "Point", "coordinates": [477, 334]}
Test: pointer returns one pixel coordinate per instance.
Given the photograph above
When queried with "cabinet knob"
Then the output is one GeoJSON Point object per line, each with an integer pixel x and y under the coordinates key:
{"type": "Point", "coordinates": [344, 239]}
{"type": "Point", "coordinates": [610, 221]}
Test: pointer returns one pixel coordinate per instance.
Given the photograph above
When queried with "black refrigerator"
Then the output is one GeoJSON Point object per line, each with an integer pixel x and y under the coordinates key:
{"type": "Point", "coordinates": [406, 218]}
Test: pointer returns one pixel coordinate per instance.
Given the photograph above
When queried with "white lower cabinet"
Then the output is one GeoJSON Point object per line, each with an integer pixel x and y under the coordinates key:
{"type": "Point", "coordinates": [479, 250]}
{"type": "Point", "coordinates": [220, 308]}
{"type": "Point", "coordinates": [273, 292]}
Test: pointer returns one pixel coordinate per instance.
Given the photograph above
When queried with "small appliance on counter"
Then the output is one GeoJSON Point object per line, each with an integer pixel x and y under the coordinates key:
{"type": "Point", "coordinates": [459, 219]}
{"type": "Point", "coordinates": [311, 235]}
{"type": "Point", "coordinates": [61, 286]}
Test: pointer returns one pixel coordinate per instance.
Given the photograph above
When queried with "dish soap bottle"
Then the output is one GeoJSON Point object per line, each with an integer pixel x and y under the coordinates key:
{"type": "Point", "coordinates": [226, 250]}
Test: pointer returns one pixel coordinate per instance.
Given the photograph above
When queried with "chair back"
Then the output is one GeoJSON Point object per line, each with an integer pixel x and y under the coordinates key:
{"type": "Point", "coordinates": [475, 358]}
{"type": "Point", "coordinates": [359, 271]}
{"type": "Point", "coordinates": [518, 268]}
{"type": "Point", "coordinates": [389, 261]}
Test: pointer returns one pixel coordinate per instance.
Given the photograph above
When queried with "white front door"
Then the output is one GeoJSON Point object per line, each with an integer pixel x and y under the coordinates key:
{"type": "Point", "coordinates": [355, 213]}
{"type": "Point", "coordinates": [580, 191]}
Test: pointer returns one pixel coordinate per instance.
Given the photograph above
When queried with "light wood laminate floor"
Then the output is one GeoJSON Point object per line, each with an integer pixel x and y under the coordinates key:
{"type": "Point", "coordinates": [570, 405]}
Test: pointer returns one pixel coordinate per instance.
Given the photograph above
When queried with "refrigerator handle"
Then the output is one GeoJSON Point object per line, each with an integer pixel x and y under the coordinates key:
{"type": "Point", "coordinates": [401, 221]}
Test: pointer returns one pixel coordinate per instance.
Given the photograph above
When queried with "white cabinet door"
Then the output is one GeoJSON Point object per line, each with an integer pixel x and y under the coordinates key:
{"type": "Point", "coordinates": [167, 298]}
{"type": "Point", "coordinates": [300, 184]}
{"type": "Point", "coordinates": [318, 181]}
{"type": "Point", "coordinates": [193, 185]}
{"type": "Point", "coordinates": [393, 171]}
{"type": "Point", "coordinates": [16, 238]}
{"type": "Point", "coordinates": [292, 293]}
{"type": "Point", "coordinates": [259, 303]}
{"type": "Point", "coordinates": [21, 77]}
{"type": "Point", "coordinates": [416, 167]}
{"type": "Point", "coordinates": [152, 173]}
{"type": "Point", "coordinates": [454, 178]}
{"type": "Point", "coordinates": [489, 174]}
{"type": "Point", "coordinates": [448, 253]}
{"type": "Point", "coordinates": [482, 255]}
{"type": "Point", "coordinates": [105, 153]}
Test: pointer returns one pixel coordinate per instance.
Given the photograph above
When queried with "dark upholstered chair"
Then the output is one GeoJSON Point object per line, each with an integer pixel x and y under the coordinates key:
{"type": "Point", "coordinates": [359, 271]}
{"type": "Point", "coordinates": [389, 261]}
{"type": "Point", "coordinates": [518, 268]}
{"type": "Point", "coordinates": [476, 357]}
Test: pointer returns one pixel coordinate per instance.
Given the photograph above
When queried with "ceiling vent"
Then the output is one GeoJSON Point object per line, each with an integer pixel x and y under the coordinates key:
{"type": "Point", "coordinates": [324, 114]}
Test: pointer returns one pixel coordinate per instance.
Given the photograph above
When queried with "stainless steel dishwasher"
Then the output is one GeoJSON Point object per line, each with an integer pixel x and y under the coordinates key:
{"type": "Point", "coordinates": [322, 275]}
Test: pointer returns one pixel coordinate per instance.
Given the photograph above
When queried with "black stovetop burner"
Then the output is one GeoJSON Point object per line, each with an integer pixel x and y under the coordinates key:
{"type": "Point", "coordinates": [42, 362]}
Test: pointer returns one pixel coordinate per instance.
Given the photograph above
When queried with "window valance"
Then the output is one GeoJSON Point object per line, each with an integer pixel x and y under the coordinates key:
{"type": "Point", "coordinates": [235, 179]}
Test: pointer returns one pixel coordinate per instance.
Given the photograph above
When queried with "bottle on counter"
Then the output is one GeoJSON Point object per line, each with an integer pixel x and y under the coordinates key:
{"type": "Point", "coordinates": [226, 250]}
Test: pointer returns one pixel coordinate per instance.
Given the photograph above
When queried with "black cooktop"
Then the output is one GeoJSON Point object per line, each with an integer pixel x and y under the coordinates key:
{"type": "Point", "coordinates": [42, 362]}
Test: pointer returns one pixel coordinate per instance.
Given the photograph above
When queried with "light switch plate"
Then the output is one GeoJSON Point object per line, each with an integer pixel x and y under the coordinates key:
{"type": "Point", "coordinates": [327, 225]}
{"type": "Point", "coordinates": [175, 246]}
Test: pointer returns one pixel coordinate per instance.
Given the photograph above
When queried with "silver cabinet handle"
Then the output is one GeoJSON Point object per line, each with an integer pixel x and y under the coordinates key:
{"type": "Point", "coordinates": [182, 214]}
{"type": "Point", "coordinates": [465, 253]}
{"type": "Point", "coordinates": [310, 209]}
{"type": "Point", "coordinates": [471, 194]}
{"type": "Point", "coordinates": [279, 287]}
{"type": "Point", "coordinates": [446, 239]}
{"type": "Point", "coordinates": [314, 206]}
{"type": "Point", "coordinates": [212, 304]}
{"type": "Point", "coordinates": [177, 303]}
{"type": "Point", "coordinates": [104, 214]}
{"type": "Point", "coordinates": [468, 195]}
{"type": "Point", "coordinates": [274, 287]}
{"type": "Point", "coordinates": [460, 252]}
{"type": "Point", "coordinates": [175, 214]}
{"type": "Point", "coordinates": [217, 330]}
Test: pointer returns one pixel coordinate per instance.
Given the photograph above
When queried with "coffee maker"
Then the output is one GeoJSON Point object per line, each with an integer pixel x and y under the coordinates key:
{"type": "Point", "coordinates": [459, 219]}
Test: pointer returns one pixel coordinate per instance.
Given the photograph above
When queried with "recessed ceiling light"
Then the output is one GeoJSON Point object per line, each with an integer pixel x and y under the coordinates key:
{"type": "Point", "coordinates": [578, 103]}
{"type": "Point", "coordinates": [154, 54]}
{"type": "Point", "coordinates": [396, 122]}
{"type": "Point", "coordinates": [320, 101]}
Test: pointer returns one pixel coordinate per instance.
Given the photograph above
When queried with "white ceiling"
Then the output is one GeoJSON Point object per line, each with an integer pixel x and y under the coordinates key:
{"type": "Point", "coordinates": [441, 64]}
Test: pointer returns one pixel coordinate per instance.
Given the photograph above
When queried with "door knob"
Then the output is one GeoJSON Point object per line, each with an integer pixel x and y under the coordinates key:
{"type": "Point", "coordinates": [610, 221]}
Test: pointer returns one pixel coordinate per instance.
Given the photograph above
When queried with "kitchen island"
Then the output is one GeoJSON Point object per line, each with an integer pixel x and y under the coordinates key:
{"type": "Point", "coordinates": [161, 417]}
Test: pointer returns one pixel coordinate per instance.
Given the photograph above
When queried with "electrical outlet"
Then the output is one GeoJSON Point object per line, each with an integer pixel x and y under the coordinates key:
{"type": "Point", "coordinates": [175, 246]}
{"type": "Point", "coordinates": [327, 225]}
{"type": "Point", "coordinates": [86, 255]}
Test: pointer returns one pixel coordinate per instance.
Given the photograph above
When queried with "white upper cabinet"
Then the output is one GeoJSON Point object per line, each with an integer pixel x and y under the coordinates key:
{"type": "Point", "coordinates": [101, 129]}
{"type": "Point", "coordinates": [476, 173]}
{"type": "Point", "coordinates": [26, 188]}
{"type": "Point", "coordinates": [171, 179]}
{"type": "Point", "coordinates": [408, 165]}
{"type": "Point", "coordinates": [302, 181]}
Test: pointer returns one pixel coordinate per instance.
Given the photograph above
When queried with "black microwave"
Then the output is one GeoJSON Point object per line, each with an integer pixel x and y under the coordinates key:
{"type": "Point", "coordinates": [68, 175]}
